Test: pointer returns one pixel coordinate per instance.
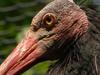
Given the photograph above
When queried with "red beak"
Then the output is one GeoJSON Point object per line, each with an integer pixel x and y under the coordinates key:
{"type": "Point", "coordinates": [22, 57]}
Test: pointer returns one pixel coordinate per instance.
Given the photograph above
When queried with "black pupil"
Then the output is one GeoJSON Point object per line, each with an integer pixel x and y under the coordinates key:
{"type": "Point", "coordinates": [49, 19]}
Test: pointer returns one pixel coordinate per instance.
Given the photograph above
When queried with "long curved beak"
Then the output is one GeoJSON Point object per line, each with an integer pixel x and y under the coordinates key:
{"type": "Point", "coordinates": [22, 57]}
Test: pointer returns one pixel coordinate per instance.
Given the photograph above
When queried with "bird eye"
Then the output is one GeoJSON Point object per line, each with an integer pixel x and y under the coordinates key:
{"type": "Point", "coordinates": [49, 20]}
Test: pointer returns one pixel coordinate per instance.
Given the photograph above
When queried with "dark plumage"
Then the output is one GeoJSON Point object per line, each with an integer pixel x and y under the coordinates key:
{"type": "Point", "coordinates": [61, 31]}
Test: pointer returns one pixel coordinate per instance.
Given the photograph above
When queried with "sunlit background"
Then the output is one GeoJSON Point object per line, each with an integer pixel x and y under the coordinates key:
{"type": "Point", "coordinates": [15, 17]}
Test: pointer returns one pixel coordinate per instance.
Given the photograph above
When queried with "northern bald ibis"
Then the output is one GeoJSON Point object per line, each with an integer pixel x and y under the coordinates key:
{"type": "Point", "coordinates": [60, 31]}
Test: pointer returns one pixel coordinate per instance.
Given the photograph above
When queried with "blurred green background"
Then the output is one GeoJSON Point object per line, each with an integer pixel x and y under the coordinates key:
{"type": "Point", "coordinates": [15, 17]}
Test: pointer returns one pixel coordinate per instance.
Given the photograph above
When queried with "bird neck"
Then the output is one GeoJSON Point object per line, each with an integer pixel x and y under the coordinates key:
{"type": "Point", "coordinates": [78, 61]}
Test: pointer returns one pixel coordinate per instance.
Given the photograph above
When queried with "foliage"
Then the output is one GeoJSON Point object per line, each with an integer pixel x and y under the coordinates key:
{"type": "Point", "coordinates": [83, 2]}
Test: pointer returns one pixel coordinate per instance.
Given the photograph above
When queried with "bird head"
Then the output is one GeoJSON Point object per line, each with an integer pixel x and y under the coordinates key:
{"type": "Point", "coordinates": [51, 31]}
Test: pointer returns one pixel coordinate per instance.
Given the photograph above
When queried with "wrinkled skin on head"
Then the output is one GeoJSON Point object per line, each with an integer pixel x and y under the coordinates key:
{"type": "Point", "coordinates": [44, 42]}
{"type": "Point", "coordinates": [71, 23]}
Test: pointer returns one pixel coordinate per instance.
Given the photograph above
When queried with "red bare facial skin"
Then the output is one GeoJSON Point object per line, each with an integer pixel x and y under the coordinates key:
{"type": "Point", "coordinates": [24, 54]}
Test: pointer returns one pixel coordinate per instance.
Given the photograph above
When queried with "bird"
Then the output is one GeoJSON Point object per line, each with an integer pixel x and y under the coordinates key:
{"type": "Point", "coordinates": [61, 31]}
